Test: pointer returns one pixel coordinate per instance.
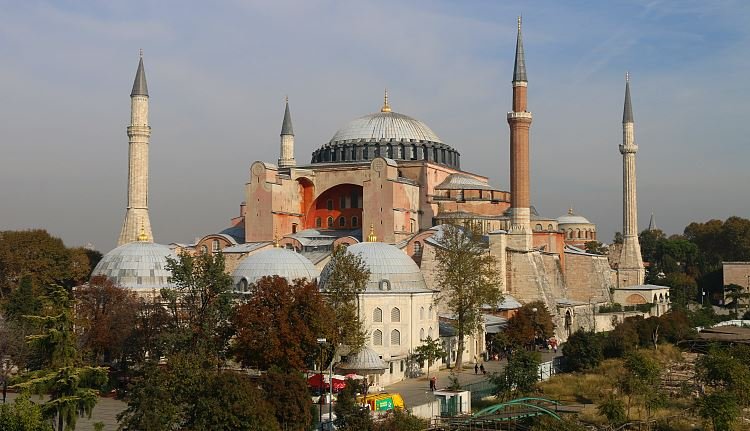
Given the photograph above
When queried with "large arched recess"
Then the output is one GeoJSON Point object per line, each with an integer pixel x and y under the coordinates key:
{"type": "Point", "coordinates": [306, 192]}
{"type": "Point", "coordinates": [343, 200]}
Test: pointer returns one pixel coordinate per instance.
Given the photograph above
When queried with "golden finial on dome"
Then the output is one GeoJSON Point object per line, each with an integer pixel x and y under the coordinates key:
{"type": "Point", "coordinates": [372, 237]}
{"type": "Point", "coordinates": [386, 107]}
{"type": "Point", "coordinates": [570, 211]}
{"type": "Point", "coordinates": [142, 237]}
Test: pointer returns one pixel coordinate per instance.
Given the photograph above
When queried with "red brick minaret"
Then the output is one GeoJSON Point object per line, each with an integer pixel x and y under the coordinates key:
{"type": "Point", "coordinates": [519, 121]}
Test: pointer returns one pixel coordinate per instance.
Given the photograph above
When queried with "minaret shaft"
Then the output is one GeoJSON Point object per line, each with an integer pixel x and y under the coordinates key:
{"type": "Point", "coordinates": [286, 153]}
{"type": "Point", "coordinates": [519, 121]}
{"type": "Point", "coordinates": [631, 270]}
{"type": "Point", "coordinates": [137, 222]}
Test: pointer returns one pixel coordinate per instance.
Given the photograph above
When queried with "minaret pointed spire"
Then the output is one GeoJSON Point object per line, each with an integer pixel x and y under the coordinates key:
{"type": "Point", "coordinates": [139, 84]}
{"type": "Point", "coordinates": [286, 125]}
{"type": "Point", "coordinates": [386, 107]}
{"type": "Point", "coordinates": [652, 223]}
{"type": "Point", "coordinates": [519, 68]}
{"type": "Point", "coordinates": [627, 113]}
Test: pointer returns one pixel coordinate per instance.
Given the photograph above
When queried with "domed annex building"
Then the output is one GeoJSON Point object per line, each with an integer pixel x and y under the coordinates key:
{"type": "Point", "coordinates": [397, 308]}
{"type": "Point", "coordinates": [277, 261]}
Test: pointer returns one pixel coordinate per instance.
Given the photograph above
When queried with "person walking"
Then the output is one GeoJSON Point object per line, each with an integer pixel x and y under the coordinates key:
{"type": "Point", "coordinates": [433, 383]}
{"type": "Point", "coordinates": [481, 368]}
{"type": "Point", "coordinates": [476, 368]}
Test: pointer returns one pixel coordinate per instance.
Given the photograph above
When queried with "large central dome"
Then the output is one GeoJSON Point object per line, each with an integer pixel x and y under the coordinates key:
{"type": "Point", "coordinates": [386, 134]}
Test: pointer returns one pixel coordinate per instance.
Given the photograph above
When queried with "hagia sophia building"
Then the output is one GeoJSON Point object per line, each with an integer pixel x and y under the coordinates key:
{"type": "Point", "coordinates": [384, 186]}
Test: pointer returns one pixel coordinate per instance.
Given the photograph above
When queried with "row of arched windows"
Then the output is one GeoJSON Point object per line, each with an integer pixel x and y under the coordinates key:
{"type": "Point", "coordinates": [341, 221]}
{"type": "Point", "coordinates": [581, 234]}
{"type": "Point", "coordinates": [539, 227]}
{"type": "Point", "coordinates": [377, 337]}
{"type": "Point", "coordinates": [377, 315]}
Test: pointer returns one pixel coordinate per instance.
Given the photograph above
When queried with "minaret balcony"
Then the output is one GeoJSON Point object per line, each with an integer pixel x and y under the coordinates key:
{"type": "Point", "coordinates": [514, 115]}
{"type": "Point", "coordinates": [625, 149]}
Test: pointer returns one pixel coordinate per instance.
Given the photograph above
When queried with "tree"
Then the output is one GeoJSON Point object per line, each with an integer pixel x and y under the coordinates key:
{"type": "Point", "coordinates": [613, 409]}
{"type": "Point", "coordinates": [287, 392]}
{"type": "Point", "coordinates": [280, 323]}
{"type": "Point", "coordinates": [350, 415]}
{"type": "Point", "coordinates": [641, 380]}
{"type": "Point", "coordinates": [618, 239]}
{"type": "Point", "coordinates": [200, 303]}
{"type": "Point", "coordinates": [723, 371]}
{"type": "Point", "coordinates": [623, 339]}
{"type": "Point", "coordinates": [72, 389]}
{"type": "Point", "coordinates": [595, 247]}
{"type": "Point", "coordinates": [32, 253]}
{"type": "Point", "coordinates": [582, 351]}
{"type": "Point", "coordinates": [345, 278]}
{"type": "Point", "coordinates": [682, 288]}
{"type": "Point", "coordinates": [430, 350]}
{"type": "Point", "coordinates": [23, 415]}
{"type": "Point", "coordinates": [721, 409]}
{"type": "Point", "coordinates": [200, 398]}
{"type": "Point", "coordinates": [105, 317]}
{"type": "Point", "coordinates": [467, 276]}
{"type": "Point", "coordinates": [736, 294]}
{"type": "Point", "coordinates": [22, 301]}
{"type": "Point", "coordinates": [530, 325]}
{"type": "Point", "coordinates": [519, 376]}
{"type": "Point", "coordinates": [399, 420]}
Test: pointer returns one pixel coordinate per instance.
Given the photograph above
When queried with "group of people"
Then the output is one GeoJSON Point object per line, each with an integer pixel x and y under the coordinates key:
{"type": "Point", "coordinates": [478, 368]}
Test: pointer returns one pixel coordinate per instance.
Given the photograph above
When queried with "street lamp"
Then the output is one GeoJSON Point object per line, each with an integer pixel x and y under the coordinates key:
{"type": "Point", "coordinates": [533, 340]}
{"type": "Point", "coordinates": [321, 343]}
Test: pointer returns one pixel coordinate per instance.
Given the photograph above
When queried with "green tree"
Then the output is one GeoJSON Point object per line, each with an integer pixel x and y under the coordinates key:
{"type": "Point", "coordinates": [200, 303]}
{"type": "Point", "coordinates": [199, 398]}
{"type": "Point", "coordinates": [720, 409]}
{"type": "Point", "coordinates": [22, 301]}
{"type": "Point", "coordinates": [641, 381]}
{"type": "Point", "coordinates": [286, 391]}
{"type": "Point", "coordinates": [531, 325]}
{"type": "Point", "coordinates": [736, 294]}
{"type": "Point", "coordinates": [430, 350]}
{"type": "Point", "coordinates": [682, 288]}
{"type": "Point", "coordinates": [350, 415]}
{"type": "Point", "coordinates": [72, 389]}
{"type": "Point", "coordinates": [723, 371]}
{"type": "Point", "coordinates": [468, 277]}
{"type": "Point", "coordinates": [33, 253]}
{"type": "Point", "coordinates": [595, 247]}
{"type": "Point", "coordinates": [582, 351]}
{"type": "Point", "coordinates": [344, 279]}
{"type": "Point", "coordinates": [519, 376]}
{"type": "Point", "coordinates": [613, 409]}
{"type": "Point", "coordinates": [23, 415]}
{"type": "Point", "coordinates": [399, 420]}
{"type": "Point", "coordinates": [280, 323]}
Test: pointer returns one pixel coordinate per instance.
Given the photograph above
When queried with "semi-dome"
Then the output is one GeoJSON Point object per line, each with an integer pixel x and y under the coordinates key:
{"type": "Point", "coordinates": [274, 261]}
{"type": "Point", "coordinates": [572, 218]}
{"type": "Point", "coordinates": [137, 265]}
{"type": "Point", "coordinates": [390, 268]}
{"type": "Point", "coordinates": [386, 134]}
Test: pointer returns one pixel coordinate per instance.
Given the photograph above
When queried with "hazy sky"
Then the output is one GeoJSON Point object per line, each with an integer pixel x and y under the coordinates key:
{"type": "Point", "coordinates": [218, 73]}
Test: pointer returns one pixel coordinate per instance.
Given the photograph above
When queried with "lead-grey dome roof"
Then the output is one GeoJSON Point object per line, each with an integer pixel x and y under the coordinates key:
{"type": "Point", "coordinates": [365, 361]}
{"type": "Point", "coordinates": [274, 261]}
{"type": "Point", "coordinates": [390, 268]}
{"type": "Point", "coordinates": [572, 218]}
{"type": "Point", "coordinates": [386, 134]}
{"type": "Point", "coordinates": [137, 265]}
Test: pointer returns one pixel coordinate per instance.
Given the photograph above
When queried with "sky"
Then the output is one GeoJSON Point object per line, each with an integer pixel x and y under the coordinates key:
{"type": "Point", "coordinates": [218, 73]}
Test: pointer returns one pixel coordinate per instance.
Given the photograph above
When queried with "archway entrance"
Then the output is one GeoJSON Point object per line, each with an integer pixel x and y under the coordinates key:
{"type": "Point", "coordinates": [339, 207]}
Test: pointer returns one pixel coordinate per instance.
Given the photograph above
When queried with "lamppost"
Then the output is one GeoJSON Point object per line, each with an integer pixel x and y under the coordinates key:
{"type": "Point", "coordinates": [533, 340]}
{"type": "Point", "coordinates": [321, 343]}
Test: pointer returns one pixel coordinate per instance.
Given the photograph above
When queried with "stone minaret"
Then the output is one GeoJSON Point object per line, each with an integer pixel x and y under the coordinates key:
{"type": "Point", "coordinates": [630, 271]}
{"type": "Point", "coordinates": [519, 121]}
{"type": "Point", "coordinates": [137, 222]}
{"type": "Point", "coordinates": [286, 159]}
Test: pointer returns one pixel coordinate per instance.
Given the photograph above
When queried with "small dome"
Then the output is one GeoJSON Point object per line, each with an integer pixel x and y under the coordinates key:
{"type": "Point", "coordinates": [137, 265]}
{"type": "Point", "coordinates": [365, 361]}
{"type": "Point", "coordinates": [390, 268]}
{"type": "Point", "coordinates": [572, 218]}
{"type": "Point", "coordinates": [274, 261]}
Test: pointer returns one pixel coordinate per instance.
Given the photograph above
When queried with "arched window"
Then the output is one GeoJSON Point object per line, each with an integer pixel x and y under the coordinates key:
{"type": "Point", "coordinates": [377, 337]}
{"type": "Point", "coordinates": [342, 221]}
{"type": "Point", "coordinates": [329, 204]}
{"type": "Point", "coordinates": [655, 299]}
{"type": "Point", "coordinates": [385, 284]}
{"type": "Point", "coordinates": [318, 222]}
{"type": "Point", "coordinates": [549, 227]}
{"type": "Point", "coordinates": [395, 314]}
{"type": "Point", "coordinates": [421, 313]}
{"type": "Point", "coordinates": [329, 221]}
{"type": "Point", "coordinates": [417, 249]}
{"type": "Point", "coordinates": [578, 232]}
{"type": "Point", "coordinates": [377, 315]}
{"type": "Point", "coordinates": [294, 227]}
{"type": "Point", "coordinates": [429, 332]}
{"type": "Point", "coordinates": [538, 227]}
{"type": "Point", "coordinates": [430, 311]}
{"type": "Point", "coordinates": [355, 221]}
{"type": "Point", "coordinates": [204, 249]}
{"type": "Point", "coordinates": [570, 233]}
{"type": "Point", "coordinates": [243, 285]}
{"type": "Point", "coordinates": [411, 225]}
{"type": "Point", "coordinates": [421, 334]}
{"type": "Point", "coordinates": [395, 338]}
{"type": "Point", "coordinates": [215, 246]}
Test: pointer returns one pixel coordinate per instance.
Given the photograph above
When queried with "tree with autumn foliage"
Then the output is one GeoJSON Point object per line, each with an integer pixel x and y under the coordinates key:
{"type": "Point", "coordinates": [531, 324]}
{"type": "Point", "coordinates": [467, 276]}
{"type": "Point", "coordinates": [106, 315]}
{"type": "Point", "coordinates": [280, 323]}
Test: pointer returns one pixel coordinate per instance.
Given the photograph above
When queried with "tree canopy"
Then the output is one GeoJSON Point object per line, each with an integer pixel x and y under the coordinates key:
{"type": "Point", "coordinates": [467, 276]}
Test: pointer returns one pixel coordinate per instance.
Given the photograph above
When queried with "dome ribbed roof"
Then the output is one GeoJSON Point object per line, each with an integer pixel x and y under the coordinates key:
{"type": "Point", "coordinates": [274, 261]}
{"type": "Point", "coordinates": [365, 361]}
{"type": "Point", "coordinates": [572, 218]}
{"type": "Point", "coordinates": [385, 126]}
{"type": "Point", "coordinates": [390, 268]}
{"type": "Point", "coordinates": [137, 265]}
